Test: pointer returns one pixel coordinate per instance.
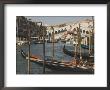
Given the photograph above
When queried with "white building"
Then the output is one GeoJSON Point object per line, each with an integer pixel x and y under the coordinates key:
{"type": "Point", "coordinates": [86, 27]}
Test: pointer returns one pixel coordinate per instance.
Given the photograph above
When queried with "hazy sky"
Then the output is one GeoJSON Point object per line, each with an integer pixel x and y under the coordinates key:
{"type": "Point", "coordinates": [50, 20]}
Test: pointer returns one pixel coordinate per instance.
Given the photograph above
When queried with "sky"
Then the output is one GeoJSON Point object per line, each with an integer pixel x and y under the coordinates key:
{"type": "Point", "coordinates": [51, 20]}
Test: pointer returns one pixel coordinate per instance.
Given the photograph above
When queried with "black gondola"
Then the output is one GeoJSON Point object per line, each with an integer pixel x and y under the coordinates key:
{"type": "Point", "coordinates": [57, 65]}
{"type": "Point", "coordinates": [72, 53]}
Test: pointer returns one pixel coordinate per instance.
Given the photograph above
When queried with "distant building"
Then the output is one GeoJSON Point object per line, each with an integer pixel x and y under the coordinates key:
{"type": "Point", "coordinates": [70, 29]}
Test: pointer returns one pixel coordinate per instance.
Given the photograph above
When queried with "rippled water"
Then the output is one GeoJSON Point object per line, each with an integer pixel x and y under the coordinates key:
{"type": "Point", "coordinates": [37, 49]}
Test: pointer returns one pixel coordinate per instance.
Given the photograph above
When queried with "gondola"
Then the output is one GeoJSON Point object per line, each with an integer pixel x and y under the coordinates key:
{"type": "Point", "coordinates": [72, 53]}
{"type": "Point", "coordinates": [32, 57]}
{"type": "Point", "coordinates": [48, 41]}
{"type": "Point", "coordinates": [54, 64]}
{"type": "Point", "coordinates": [38, 42]}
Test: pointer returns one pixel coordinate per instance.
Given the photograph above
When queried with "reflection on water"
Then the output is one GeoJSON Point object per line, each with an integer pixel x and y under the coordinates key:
{"type": "Point", "coordinates": [37, 49]}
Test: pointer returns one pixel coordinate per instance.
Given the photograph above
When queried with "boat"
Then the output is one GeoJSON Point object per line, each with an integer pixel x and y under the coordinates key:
{"type": "Point", "coordinates": [38, 42]}
{"type": "Point", "coordinates": [52, 64]}
{"type": "Point", "coordinates": [72, 53]}
{"type": "Point", "coordinates": [50, 41]}
{"type": "Point", "coordinates": [32, 57]}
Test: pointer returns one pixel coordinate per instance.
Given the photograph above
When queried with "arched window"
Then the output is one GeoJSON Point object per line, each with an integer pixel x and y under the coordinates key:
{"type": "Point", "coordinates": [49, 34]}
{"type": "Point", "coordinates": [58, 31]}
{"type": "Point", "coordinates": [55, 32]}
{"type": "Point", "coordinates": [77, 28]}
{"type": "Point", "coordinates": [83, 31]}
{"type": "Point", "coordinates": [87, 32]}
{"type": "Point", "coordinates": [74, 29]}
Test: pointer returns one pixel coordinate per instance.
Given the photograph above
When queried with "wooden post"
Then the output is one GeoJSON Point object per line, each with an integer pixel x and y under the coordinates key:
{"type": "Point", "coordinates": [53, 42]}
{"type": "Point", "coordinates": [80, 41]}
{"type": "Point", "coordinates": [75, 49]}
{"type": "Point", "coordinates": [89, 42]}
{"type": "Point", "coordinates": [93, 22]}
{"type": "Point", "coordinates": [29, 49]}
{"type": "Point", "coordinates": [93, 34]}
{"type": "Point", "coordinates": [43, 49]}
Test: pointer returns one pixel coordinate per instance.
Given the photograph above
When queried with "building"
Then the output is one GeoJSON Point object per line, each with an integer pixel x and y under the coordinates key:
{"type": "Point", "coordinates": [71, 30]}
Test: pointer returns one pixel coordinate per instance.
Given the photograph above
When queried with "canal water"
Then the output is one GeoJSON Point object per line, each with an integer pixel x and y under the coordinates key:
{"type": "Point", "coordinates": [37, 49]}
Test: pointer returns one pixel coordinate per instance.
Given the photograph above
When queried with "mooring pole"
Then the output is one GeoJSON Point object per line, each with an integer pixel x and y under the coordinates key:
{"type": "Point", "coordinates": [53, 42]}
{"type": "Point", "coordinates": [93, 34]}
{"type": "Point", "coordinates": [43, 49]}
{"type": "Point", "coordinates": [89, 41]}
{"type": "Point", "coordinates": [80, 42]}
{"type": "Point", "coordinates": [29, 50]}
